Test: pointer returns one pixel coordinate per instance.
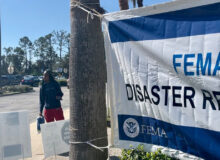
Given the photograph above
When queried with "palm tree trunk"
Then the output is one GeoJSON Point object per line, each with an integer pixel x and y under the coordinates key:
{"type": "Point", "coordinates": [140, 3]}
{"type": "Point", "coordinates": [123, 4]}
{"type": "Point", "coordinates": [87, 85]}
{"type": "Point", "coordinates": [134, 3]}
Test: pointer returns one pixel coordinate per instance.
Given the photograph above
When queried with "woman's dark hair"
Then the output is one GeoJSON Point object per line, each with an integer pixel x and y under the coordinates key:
{"type": "Point", "coordinates": [49, 73]}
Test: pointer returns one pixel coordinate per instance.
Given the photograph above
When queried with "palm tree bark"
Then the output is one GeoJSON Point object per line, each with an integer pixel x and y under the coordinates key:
{"type": "Point", "coordinates": [140, 3]}
{"type": "Point", "coordinates": [87, 85]}
{"type": "Point", "coordinates": [123, 4]}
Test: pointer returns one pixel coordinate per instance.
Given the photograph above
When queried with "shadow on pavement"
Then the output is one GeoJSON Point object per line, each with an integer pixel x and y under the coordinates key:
{"type": "Point", "coordinates": [114, 158]}
{"type": "Point", "coordinates": [64, 154]}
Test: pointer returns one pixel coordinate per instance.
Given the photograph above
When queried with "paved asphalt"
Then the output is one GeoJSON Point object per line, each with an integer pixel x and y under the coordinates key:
{"type": "Point", "coordinates": [29, 102]}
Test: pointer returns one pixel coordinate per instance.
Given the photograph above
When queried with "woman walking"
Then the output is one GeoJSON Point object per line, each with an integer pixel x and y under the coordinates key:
{"type": "Point", "coordinates": [50, 96]}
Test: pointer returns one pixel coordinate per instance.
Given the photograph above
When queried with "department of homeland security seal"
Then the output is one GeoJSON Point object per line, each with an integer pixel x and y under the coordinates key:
{"type": "Point", "coordinates": [131, 128]}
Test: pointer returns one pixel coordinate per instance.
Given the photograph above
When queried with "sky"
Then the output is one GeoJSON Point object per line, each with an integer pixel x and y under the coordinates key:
{"type": "Point", "coordinates": [35, 18]}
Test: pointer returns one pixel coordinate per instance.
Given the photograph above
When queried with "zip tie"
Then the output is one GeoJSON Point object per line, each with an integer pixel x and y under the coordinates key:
{"type": "Point", "coordinates": [89, 14]}
{"type": "Point", "coordinates": [72, 129]}
{"type": "Point", "coordinates": [84, 3]}
{"type": "Point", "coordinates": [92, 145]}
{"type": "Point", "coordinates": [86, 9]}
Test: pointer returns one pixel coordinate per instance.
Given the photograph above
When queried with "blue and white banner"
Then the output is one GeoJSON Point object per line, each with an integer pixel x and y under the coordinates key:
{"type": "Point", "coordinates": [163, 65]}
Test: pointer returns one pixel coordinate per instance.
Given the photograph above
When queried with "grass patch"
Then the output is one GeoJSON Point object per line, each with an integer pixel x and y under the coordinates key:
{"type": "Point", "coordinates": [15, 89]}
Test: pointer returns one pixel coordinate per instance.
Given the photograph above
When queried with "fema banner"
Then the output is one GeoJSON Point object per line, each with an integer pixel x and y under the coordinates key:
{"type": "Point", "coordinates": [163, 65]}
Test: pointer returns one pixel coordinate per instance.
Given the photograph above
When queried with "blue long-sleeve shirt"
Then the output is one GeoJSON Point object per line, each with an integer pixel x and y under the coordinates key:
{"type": "Point", "coordinates": [48, 93]}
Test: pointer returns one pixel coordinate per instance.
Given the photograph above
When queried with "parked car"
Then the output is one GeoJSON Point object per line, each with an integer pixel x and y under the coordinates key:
{"type": "Point", "coordinates": [30, 80]}
{"type": "Point", "coordinates": [59, 78]}
{"type": "Point", "coordinates": [19, 77]}
{"type": "Point", "coordinates": [9, 80]}
{"type": "Point", "coordinates": [4, 81]}
{"type": "Point", "coordinates": [40, 78]}
{"type": "Point", "coordinates": [36, 79]}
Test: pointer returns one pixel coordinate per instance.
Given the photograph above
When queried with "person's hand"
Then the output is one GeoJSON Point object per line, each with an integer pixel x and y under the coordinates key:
{"type": "Point", "coordinates": [40, 114]}
{"type": "Point", "coordinates": [58, 98]}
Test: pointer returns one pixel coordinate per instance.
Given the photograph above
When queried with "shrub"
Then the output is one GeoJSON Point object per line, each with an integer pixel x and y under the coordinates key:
{"type": "Point", "coordinates": [17, 88]}
{"type": "Point", "coordinates": [139, 154]}
{"type": "Point", "coordinates": [62, 82]}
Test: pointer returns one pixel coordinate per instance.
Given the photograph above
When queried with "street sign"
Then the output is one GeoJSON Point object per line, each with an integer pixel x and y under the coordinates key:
{"type": "Point", "coordinates": [15, 140]}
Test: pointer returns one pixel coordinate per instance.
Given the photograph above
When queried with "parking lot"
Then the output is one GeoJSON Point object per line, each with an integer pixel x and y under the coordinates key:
{"type": "Point", "coordinates": [29, 102]}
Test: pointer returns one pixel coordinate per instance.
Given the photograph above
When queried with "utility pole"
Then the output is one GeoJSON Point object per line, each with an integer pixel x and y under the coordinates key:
{"type": "Point", "coordinates": [87, 84]}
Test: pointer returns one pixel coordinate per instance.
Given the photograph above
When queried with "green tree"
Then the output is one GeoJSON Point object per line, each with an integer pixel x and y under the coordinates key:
{"type": "Point", "coordinates": [37, 67]}
{"type": "Point", "coordinates": [18, 60]}
{"type": "Point", "coordinates": [50, 53]}
{"type": "Point", "coordinates": [4, 65]}
{"type": "Point", "coordinates": [15, 56]}
{"type": "Point", "coordinates": [26, 45]}
{"type": "Point", "coordinates": [8, 51]}
{"type": "Point", "coordinates": [44, 51]}
{"type": "Point", "coordinates": [87, 85]}
{"type": "Point", "coordinates": [68, 43]}
{"type": "Point", "coordinates": [30, 51]}
{"type": "Point", "coordinates": [15, 61]}
{"type": "Point", "coordinates": [40, 52]}
{"type": "Point", "coordinates": [60, 39]}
